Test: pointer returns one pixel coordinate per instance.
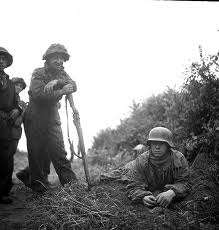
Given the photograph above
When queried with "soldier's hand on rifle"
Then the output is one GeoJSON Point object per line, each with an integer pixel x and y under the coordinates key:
{"type": "Point", "coordinates": [74, 86]}
{"type": "Point", "coordinates": [49, 86]}
{"type": "Point", "coordinates": [67, 89]}
{"type": "Point", "coordinates": [13, 114]}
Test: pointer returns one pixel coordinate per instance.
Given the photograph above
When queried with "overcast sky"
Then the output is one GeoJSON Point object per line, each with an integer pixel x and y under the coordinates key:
{"type": "Point", "coordinates": [121, 50]}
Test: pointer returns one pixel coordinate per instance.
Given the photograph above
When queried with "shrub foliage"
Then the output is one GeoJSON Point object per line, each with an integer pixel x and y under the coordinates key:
{"type": "Point", "coordinates": [191, 113]}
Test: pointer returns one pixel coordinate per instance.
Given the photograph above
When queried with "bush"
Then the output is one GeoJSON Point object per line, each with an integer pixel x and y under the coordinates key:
{"type": "Point", "coordinates": [191, 113]}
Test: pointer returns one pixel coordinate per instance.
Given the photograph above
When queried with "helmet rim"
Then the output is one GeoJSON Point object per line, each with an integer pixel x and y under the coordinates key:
{"type": "Point", "coordinates": [8, 56]}
{"type": "Point", "coordinates": [56, 49]}
{"type": "Point", "coordinates": [161, 134]}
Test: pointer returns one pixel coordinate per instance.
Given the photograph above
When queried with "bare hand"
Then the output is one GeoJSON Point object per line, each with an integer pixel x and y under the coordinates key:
{"type": "Point", "coordinates": [67, 89]}
{"type": "Point", "coordinates": [49, 86]}
{"type": "Point", "coordinates": [13, 114]}
{"type": "Point", "coordinates": [18, 121]}
{"type": "Point", "coordinates": [149, 201]}
{"type": "Point", "coordinates": [165, 198]}
{"type": "Point", "coordinates": [74, 86]}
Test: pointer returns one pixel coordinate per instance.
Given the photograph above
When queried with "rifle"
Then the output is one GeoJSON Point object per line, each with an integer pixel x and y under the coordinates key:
{"type": "Point", "coordinates": [81, 147]}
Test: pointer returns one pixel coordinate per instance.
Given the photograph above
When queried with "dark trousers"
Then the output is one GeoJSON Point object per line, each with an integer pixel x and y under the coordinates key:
{"type": "Point", "coordinates": [7, 151]}
{"type": "Point", "coordinates": [46, 139]}
{"type": "Point", "coordinates": [45, 168]}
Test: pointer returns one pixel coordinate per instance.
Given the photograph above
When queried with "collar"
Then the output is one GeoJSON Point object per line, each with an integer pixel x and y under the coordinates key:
{"type": "Point", "coordinates": [163, 162]}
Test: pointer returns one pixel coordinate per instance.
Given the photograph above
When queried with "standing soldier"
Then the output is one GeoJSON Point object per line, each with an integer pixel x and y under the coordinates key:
{"type": "Point", "coordinates": [42, 122]}
{"type": "Point", "coordinates": [9, 111]}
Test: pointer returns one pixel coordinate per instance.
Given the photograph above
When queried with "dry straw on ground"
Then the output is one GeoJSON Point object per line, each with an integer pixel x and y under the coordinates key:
{"type": "Point", "coordinates": [107, 207]}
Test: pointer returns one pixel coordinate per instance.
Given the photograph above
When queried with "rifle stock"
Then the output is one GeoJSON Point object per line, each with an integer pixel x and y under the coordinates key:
{"type": "Point", "coordinates": [76, 121]}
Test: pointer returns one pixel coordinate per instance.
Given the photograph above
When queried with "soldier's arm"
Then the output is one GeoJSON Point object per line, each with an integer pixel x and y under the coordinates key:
{"type": "Point", "coordinates": [137, 187]}
{"type": "Point", "coordinates": [20, 118]}
{"type": "Point", "coordinates": [37, 90]}
{"type": "Point", "coordinates": [17, 110]}
{"type": "Point", "coordinates": [181, 180]}
{"type": "Point", "coordinates": [23, 106]}
{"type": "Point", "coordinates": [67, 80]}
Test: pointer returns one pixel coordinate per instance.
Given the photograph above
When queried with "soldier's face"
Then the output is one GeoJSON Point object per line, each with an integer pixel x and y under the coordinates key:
{"type": "Point", "coordinates": [3, 62]}
{"type": "Point", "coordinates": [18, 87]}
{"type": "Point", "coordinates": [56, 62]}
{"type": "Point", "coordinates": [159, 148]}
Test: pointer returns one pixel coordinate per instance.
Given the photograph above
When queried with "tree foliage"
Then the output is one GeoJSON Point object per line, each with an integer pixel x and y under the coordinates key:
{"type": "Point", "coordinates": [191, 112]}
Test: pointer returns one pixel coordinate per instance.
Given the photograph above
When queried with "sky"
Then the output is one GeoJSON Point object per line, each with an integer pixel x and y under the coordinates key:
{"type": "Point", "coordinates": [121, 50]}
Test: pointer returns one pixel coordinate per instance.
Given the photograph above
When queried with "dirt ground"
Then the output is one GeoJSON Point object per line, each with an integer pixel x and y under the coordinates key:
{"type": "Point", "coordinates": [12, 216]}
{"type": "Point", "coordinates": [16, 215]}
{"type": "Point", "coordinates": [198, 211]}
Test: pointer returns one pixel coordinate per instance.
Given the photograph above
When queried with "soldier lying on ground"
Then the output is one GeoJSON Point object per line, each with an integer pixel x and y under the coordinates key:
{"type": "Point", "coordinates": [157, 176]}
{"type": "Point", "coordinates": [160, 175]}
{"type": "Point", "coordinates": [9, 111]}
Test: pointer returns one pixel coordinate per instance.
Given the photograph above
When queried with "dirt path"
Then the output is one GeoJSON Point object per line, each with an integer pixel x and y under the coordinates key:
{"type": "Point", "coordinates": [14, 216]}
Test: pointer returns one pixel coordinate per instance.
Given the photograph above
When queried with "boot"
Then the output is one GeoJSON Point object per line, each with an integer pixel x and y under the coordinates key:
{"type": "Point", "coordinates": [24, 177]}
{"type": "Point", "coordinates": [6, 200]}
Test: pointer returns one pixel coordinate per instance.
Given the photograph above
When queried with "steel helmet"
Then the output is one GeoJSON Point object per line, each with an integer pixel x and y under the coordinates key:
{"type": "Point", "coordinates": [161, 134]}
{"type": "Point", "coordinates": [19, 80]}
{"type": "Point", "coordinates": [139, 147]}
{"type": "Point", "coordinates": [56, 48]}
{"type": "Point", "coordinates": [8, 56]}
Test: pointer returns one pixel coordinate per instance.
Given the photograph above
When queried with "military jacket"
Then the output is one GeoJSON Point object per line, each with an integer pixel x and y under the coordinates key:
{"type": "Point", "coordinates": [42, 106]}
{"type": "Point", "coordinates": [8, 102]}
{"type": "Point", "coordinates": [17, 129]}
{"type": "Point", "coordinates": [144, 178]}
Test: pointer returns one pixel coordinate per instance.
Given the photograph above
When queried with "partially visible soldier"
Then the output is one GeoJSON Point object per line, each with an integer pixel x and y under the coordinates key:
{"type": "Point", "coordinates": [160, 175]}
{"type": "Point", "coordinates": [139, 149]}
{"type": "Point", "coordinates": [9, 111]}
{"type": "Point", "coordinates": [42, 122]}
{"type": "Point", "coordinates": [20, 85]}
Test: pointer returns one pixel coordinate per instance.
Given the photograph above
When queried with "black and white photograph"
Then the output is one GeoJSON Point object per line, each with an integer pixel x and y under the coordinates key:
{"type": "Point", "coordinates": [109, 115]}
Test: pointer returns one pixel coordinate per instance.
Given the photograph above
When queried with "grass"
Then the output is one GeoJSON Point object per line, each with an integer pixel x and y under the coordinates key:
{"type": "Point", "coordinates": [106, 206]}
